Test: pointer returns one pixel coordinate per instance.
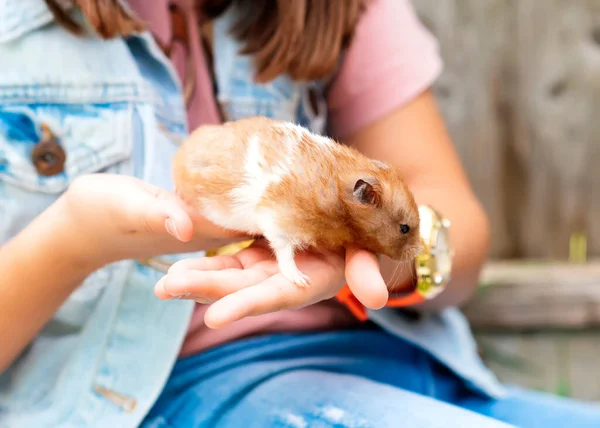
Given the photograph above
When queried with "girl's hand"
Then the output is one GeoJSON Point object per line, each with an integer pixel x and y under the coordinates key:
{"type": "Point", "coordinates": [249, 283]}
{"type": "Point", "coordinates": [121, 217]}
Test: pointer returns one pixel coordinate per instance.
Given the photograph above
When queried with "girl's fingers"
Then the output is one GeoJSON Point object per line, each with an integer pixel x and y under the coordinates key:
{"type": "Point", "coordinates": [208, 285]}
{"type": "Point", "coordinates": [164, 212]}
{"type": "Point", "coordinates": [243, 259]}
{"type": "Point", "coordinates": [247, 284]}
{"type": "Point", "coordinates": [184, 267]}
{"type": "Point", "coordinates": [206, 264]}
{"type": "Point", "coordinates": [274, 294]}
{"type": "Point", "coordinates": [364, 278]}
{"type": "Point", "coordinates": [179, 226]}
{"type": "Point", "coordinates": [213, 277]}
{"type": "Point", "coordinates": [169, 216]}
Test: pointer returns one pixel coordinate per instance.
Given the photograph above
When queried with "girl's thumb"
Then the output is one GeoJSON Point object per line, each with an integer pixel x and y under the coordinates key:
{"type": "Point", "coordinates": [364, 278]}
{"type": "Point", "coordinates": [170, 214]}
{"type": "Point", "coordinates": [178, 224]}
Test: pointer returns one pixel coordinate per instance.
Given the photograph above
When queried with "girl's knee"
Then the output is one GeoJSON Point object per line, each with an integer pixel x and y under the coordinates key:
{"type": "Point", "coordinates": [307, 398]}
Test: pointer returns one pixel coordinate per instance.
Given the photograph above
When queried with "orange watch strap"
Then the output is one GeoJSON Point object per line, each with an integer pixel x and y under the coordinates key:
{"type": "Point", "coordinates": [410, 299]}
{"type": "Point", "coordinates": [346, 297]}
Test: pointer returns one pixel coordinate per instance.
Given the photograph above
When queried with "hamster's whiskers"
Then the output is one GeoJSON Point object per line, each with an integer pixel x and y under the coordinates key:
{"type": "Point", "coordinates": [395, 275]}
{"type": "Point", "coordinates": [399, 270]}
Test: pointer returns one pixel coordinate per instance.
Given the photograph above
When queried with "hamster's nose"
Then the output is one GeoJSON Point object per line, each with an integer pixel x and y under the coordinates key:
{"type": "Point", "coordinates": [415, 250]}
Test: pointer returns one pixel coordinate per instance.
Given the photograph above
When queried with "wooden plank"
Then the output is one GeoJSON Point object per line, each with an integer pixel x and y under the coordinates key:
{"type": "Point", "coordinates": [521, 96]}
{"type": "Point", "coordinates": [529, 295]}
{"type": "Point", "coordinates": [556, 104]}
{"type": "Point", "coordinates": [583, 360]}
{"type": "Point", "coordinates": [472, 35]}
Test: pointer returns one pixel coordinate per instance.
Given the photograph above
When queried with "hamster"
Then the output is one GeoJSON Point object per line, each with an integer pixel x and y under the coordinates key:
{"type": "Point", "coordinates": [297, 189]}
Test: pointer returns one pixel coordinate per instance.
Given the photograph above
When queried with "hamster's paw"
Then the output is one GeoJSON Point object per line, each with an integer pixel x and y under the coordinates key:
{"type": "Point", "coordinates": [295, 276]}
{"type": "Point", "coordinates": [284, 253]}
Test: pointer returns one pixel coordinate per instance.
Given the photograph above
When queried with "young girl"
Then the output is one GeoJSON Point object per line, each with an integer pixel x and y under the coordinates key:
{"type": "Point", "coordinates": [95, 96]}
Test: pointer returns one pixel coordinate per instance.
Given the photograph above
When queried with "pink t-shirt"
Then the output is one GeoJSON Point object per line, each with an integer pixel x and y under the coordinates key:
{"type": "Point", "coordinates": [391, 60]}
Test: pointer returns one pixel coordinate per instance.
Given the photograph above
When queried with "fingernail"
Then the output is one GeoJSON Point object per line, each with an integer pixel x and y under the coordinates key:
{"type": "Point", "coordinates": [170, 226]}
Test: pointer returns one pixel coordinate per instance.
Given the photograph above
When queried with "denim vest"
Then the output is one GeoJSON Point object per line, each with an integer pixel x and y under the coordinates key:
{"type": "Point", "coordinates": [116, 106]}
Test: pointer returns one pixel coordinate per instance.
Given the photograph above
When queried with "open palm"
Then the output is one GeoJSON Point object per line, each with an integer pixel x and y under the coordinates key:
{"type": "Point", "coordinates": [249, 283]}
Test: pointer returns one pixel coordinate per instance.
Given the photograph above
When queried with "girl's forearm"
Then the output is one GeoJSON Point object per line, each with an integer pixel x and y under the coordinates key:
{"type": "Point", "coordinates": [39, 269]}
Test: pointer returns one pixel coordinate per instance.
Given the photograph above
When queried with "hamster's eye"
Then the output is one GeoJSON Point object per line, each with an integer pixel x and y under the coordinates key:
{"type": "Point", "coordinates": [404, 228]}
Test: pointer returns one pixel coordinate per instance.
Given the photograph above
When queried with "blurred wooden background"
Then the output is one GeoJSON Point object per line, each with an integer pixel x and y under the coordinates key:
{"type": "Point", "coordinates": [521, 97]}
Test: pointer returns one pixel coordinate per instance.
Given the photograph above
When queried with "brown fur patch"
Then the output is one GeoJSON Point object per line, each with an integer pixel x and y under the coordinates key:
{"type": "Point", "coordinates": [314, 200]}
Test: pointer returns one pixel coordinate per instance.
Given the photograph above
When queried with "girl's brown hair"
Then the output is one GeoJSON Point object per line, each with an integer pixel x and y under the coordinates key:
{"type": "Point", "coordinates": [303, 38]}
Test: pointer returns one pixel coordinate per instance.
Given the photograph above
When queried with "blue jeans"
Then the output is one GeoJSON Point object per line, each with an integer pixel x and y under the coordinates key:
{"type": "Point", "coordinates": [356, 378]}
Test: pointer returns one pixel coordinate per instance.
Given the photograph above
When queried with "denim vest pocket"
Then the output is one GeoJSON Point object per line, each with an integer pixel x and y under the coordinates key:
{"type": "Point", "coordinates": [54, 135]}
{"type": "Point", "coordinates": [43, 147]}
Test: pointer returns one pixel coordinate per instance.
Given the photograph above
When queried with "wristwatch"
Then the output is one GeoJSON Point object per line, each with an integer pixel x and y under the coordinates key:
{"type": "Point", "coordinates": [432, 266]}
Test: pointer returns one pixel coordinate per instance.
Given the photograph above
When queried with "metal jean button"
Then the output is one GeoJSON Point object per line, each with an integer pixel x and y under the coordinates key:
{"type": "Point", "coordinates": [47, 156]}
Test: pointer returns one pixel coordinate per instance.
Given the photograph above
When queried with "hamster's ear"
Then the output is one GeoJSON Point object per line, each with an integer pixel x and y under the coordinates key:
{"type": "Point", "coordinates": [367, 191]}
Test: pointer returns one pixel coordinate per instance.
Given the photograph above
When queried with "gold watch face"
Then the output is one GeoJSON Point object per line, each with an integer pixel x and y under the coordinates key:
{"type": "Point", "coordinates": [434, 264]}
{"type": "Point", "coordinates": [442, 250]}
